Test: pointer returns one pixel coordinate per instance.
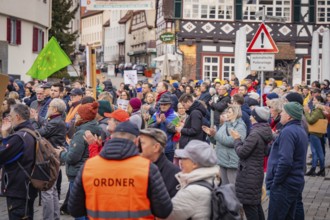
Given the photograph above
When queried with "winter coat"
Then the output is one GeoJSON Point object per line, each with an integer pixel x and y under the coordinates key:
{"type": "Point", "coordinates": [168, 170]}
{"type": "Point", "coordinates": [78, 152]}
{"type": "Point", "coordinates": [250, 173]}
{"type": "Point", "coordinates": [192, 129]}
{"type": "Point", "coordinates": [54, 131]}
{"type": "Point", "coordinates": [193, 201]}
{"type": "Point", "coordinates": [13, 149]}
{"type": "Point", "coordinates": [225, 143]}
{"type": "Point", "coordinates": [313, 117]}
{"type": "Point", "coordinates": [103, 123]}
{"type": "Point", "coordinates": [287, 158]}
{"type": "Point", "coordinates": [205, 97]}
{"type": "Point", "coordinates": [168, 126]}
{"type": "Point", "coordinates": [44, 107]}
{"type": "Point", "coordinates": [219, 106]}
{"type": "Point", "coordinates": [136, 118]}
{"type": "Point", "coordinates": [246, 113]}
{"type": "Point", "coordinates": [120, 149]}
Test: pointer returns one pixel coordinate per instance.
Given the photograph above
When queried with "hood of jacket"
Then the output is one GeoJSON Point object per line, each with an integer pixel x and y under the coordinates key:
{"type": "Point", "coordinates": [203, 173]}
{"type": "Point", "coordinates": [197, 106]}
{"type": "Point", "coordinates": [245, 108]}
{"type": "Point", "coordinates": [119, 149]}
{"type": "Point", "coordinates": [264, 130]}
{"type": "Point", "coordinates": [90, 125]}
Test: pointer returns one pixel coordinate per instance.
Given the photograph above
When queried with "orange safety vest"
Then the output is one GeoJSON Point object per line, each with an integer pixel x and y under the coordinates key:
{"type": "Point", "coordinates": [72, 112]}
{"type": "Point", "coordinates": [117, 189]}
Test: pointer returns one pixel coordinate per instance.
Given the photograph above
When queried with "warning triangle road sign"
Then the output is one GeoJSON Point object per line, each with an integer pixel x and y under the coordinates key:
{"type": "Point", "coordinates": [262, 42]}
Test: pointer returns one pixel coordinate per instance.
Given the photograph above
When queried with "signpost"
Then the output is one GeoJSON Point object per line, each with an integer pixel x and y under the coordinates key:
{"type": "Point", "coordinates": [262, 49]}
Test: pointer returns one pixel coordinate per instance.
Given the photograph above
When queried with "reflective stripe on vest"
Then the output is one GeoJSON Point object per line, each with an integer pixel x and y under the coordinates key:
{"type": "Point", "coordinates": [117, 188]}
{"type": "Point", "coordinates": [123, 215]}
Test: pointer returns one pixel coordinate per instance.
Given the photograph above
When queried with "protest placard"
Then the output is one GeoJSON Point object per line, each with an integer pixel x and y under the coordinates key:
{"type": "Point", "coordinates": [130, 77]}
{"type": "Point", "coordinates": [122, 104]}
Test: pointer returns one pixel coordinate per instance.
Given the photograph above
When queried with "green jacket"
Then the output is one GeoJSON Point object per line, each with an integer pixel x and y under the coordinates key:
{"type": "Point", "coordinates": [78, 151]}
{"type": "Point", "coordinates": [224, 148]}
{"type": "Point", "coordinates": [313, 117]}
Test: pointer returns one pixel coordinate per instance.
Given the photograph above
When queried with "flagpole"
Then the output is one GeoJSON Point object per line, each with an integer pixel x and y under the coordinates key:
{"type": "Point", "coordinates": [75, 70]}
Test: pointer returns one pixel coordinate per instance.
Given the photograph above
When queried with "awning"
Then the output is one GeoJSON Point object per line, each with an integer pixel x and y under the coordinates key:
{"type": "Point", "coordinates": [140, 52]}
{"type": "Point", "coordinates": [286, 52]}
{"type": "Point", "coordinates": [170, 57]}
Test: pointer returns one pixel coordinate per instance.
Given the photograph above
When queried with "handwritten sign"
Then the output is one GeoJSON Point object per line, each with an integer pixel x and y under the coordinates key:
{"type": "Point", "coordinates": [130, 77]}
{"type": "Point", "coordinates": [122, 104]}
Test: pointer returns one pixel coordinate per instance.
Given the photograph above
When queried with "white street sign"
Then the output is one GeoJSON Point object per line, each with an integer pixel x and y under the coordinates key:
{"type": "Point", "coordinates": [120, 5]}
{"type": "Point", "coordinates": [262, 62]}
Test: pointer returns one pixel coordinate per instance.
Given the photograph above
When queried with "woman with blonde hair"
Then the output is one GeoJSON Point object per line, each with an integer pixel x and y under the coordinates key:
{"type": "Point", "coordinates": [227, 157]}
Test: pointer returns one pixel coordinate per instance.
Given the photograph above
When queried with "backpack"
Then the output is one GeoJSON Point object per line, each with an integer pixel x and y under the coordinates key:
{"type": "Point", "coordinates": [46, 167]}
{"type": "Point", "coordinates": [224, 203]}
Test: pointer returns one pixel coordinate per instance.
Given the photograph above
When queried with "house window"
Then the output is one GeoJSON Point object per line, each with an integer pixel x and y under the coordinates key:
{"type": "Point", "coordinates": [38, 40]}
{"type": "Point", "coordinates": [228, 67]}
{"type": "Point", "coordinates": [323, 11]}
{"type": "Point", "coordinates": [13, 31]}
{"type": "Point", "coordinates": [308, 71]}
{"type": "Point", "coordinates": [210, 68]}
{"type": "Point", "coordinates": [210, 10]}
{"type": "Point", "coordinates": [278, 8]}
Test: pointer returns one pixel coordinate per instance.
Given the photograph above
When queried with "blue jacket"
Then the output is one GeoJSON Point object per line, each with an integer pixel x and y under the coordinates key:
{"type": "Point", "coordinates": [287, 158]}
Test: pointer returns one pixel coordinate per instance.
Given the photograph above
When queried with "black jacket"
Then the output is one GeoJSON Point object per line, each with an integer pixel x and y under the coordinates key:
{"type": "Point", "coordinates": [219, 106]}
{"type": "Point", "coordinates": [120, 149]}
{"type": "Point", "coordinates": [205, 97]}
{"type": "Point", "coordinates": [192, 129]}
{"type": "Point", "coordinates": [250, 172]}
{"type": "Point", "coordinates": [12, 150]}
{"type": "Point", "coordinates": [168, 170]}
{"type": "Point", "coordinates": [54, 131]}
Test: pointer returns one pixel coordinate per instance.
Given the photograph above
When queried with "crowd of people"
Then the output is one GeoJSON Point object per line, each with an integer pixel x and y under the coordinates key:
{"type": "Point", "coordinates": [136, 151]}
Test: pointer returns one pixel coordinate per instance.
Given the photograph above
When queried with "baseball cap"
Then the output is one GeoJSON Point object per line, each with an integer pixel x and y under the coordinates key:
{"type": "Point", "coordinates": [127, 127]}
{"type": "Point", "coordinates": [156, 134]}
{"type": "Point", "coordinates": [119, 114]}
{"type": "Point", "coordinates": [46, 85]}
{"type": "Point", "coordinates": [199, 152]}
{"type": "Point", "coordinates": [76, 92]}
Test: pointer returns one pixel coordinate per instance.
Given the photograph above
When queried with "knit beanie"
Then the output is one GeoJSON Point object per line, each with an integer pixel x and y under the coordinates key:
{"type": "Point", "coordinates": [294, 109]}
{"type": "Point", "coordinates": [295, 97]}
{"type": "Point", "coordinates": [272, 95]}
{"type": "Point", "coordinates": [261, 114]}
{"type": "Point", "coordinates": [88, 111]}
{"type": "Point", "coordinates": [104, 106]}
{"type": "Point", "coordinates": [175, 85]}
{"type": "Point", "coordinates": [135, 103]}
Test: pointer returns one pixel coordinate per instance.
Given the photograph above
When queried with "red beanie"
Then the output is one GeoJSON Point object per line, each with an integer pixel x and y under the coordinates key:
{"type": "Point", "coordinates": [88, 111]}
{"type": "Point", "coordinates": [135, 103]}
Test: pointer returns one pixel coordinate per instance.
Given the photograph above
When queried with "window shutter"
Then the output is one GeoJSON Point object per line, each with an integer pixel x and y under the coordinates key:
{"type": "Point", "coordinates": [8, 30]}
{"type": "Point", "coordinates": [43, 40]}
{"type": "Point", "coordinates": [18, 32]}
{"type": "Point", "coordinates": [311, 11]}
{"type": "Point", "coordinates": [239, 10]}
{"type": "Point", "coordinates": [297, 10]}
{"type": "Point", "coordinates": [177, 8]}
{"type": "Point", "coordinates": [35, 40]}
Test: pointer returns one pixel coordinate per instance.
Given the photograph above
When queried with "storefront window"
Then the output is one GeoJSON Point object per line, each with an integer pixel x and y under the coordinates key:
{"type": "Point", "coordinates": [210, 68]}
{"type": "Point", "coordinates": [228, 67]}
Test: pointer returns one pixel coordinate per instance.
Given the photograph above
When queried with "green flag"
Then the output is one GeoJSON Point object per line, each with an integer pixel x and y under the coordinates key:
{"type": "Point", "coordinates": [50, 60]}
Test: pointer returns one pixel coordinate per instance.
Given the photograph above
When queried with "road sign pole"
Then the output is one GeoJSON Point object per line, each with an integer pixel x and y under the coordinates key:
{"type": "Point", "coordinates": [262, 88]}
